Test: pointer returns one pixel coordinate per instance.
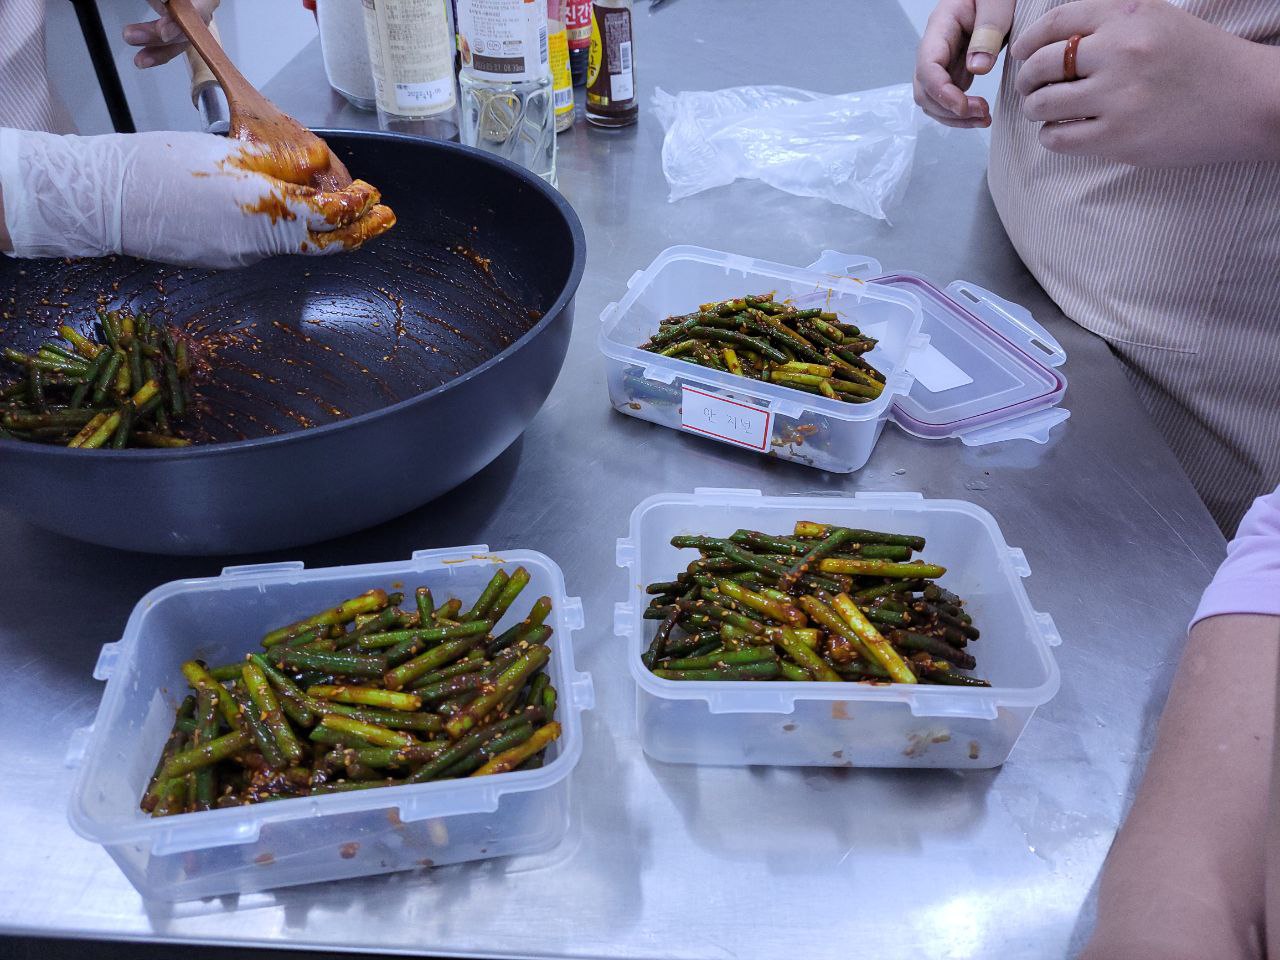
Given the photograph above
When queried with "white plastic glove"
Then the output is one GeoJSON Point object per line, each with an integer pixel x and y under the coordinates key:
{"type": "Point", "coordinates": [188, 198]}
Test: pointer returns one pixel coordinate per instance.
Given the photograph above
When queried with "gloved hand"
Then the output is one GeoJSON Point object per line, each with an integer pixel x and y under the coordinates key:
{"type": "Point", "coordinates": [162, 39]}
{"type": "Point", "coordinates": [187, 198]}
{"type": "Point", "coordinates": [960, 41]}
{"type": "Point", "coordinates": [1157, 85]}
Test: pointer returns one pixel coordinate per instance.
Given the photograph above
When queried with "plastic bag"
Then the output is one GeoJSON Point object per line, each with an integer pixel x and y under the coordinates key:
{"type": "Point", "coordinates": [854, 149]}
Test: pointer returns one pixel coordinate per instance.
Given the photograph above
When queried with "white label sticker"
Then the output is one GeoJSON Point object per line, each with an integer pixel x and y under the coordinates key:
{"type": "Point", "coordinates": [503, 39]}
{"type": "Point", "coordinates": [729, 420]}
{"type": "Point", "coordinates": [623, 84]}
{"type": "Point", "coordinates": [935, 372]}
{"type": "Point", "coordinates": [410, 96]}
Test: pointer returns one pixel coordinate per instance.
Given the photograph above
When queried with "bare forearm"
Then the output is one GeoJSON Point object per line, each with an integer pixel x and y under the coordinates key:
{"type": "Point", "coordinates": [1185, 876]}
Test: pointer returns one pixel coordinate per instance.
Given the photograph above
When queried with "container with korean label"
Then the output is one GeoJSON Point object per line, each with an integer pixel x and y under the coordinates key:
{"type": "Point", "coordinates": [957, 362]}
{"type": "Point", "coordinates": [507, 104]}
{"type": "Point", "coordinates": [411, 55]}
{"type": "Point", "coordinates": [611, 76]}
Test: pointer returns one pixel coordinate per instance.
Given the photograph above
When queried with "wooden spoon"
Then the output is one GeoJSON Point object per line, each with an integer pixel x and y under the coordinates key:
{"type": "Point", "coordinates": [296, 154]}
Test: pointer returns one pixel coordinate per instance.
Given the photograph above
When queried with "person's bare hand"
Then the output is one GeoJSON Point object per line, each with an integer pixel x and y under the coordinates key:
{"type": "Point", "coordinates": [1157, 85]}
{"type": "Point", "coordinates": [161, 40]}
{"type": "Point", "coordinates": [961, 41]}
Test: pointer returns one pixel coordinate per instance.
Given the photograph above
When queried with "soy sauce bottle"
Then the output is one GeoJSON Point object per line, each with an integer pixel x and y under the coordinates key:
{"type": "Point", "coordinates": [611, 77]}
{"type": "Point", "coordinates": [577, 24]}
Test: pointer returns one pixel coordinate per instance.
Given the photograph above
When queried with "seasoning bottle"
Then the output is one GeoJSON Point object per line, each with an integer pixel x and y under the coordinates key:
{"type": "Point", "coordinates": [558, 51]}
{"type": "Point", "coordinates": [577, 25]}
{"type": "Point", "coordinates": [611, 79]}
{"type": "Point", "coordinates": [411, 55]}
{"type": "Point", "coordinates": [506, 82]}
{"type": "Point", "coordinates": [345, 50]}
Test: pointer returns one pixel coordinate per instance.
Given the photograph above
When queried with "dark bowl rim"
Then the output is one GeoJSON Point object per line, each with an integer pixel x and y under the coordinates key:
{"type": "Point", "coordinates": [576, 271]}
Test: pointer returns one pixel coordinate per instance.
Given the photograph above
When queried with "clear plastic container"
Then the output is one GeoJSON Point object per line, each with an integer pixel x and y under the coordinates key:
{"type": "Point", "coordinates": [960, 362]}
{"type": "Point", "coordinates": [741, 723]}
{"type": "Point", "coordinates": [307, 839]}
{"type": "Point", "coordinates": [768, 418]}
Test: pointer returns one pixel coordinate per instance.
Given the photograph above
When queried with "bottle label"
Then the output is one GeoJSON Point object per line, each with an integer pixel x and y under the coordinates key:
{"type": "Point", "coordinates": [410, 53]}
{"type": "Point", "coordinates": [577, 23]}
{"type": "Point", "coordinates": [624, 87]}
{"type": "Point", "coordinates": [504, 39]}
{"type": "Point", "coordinates": [561, 81]}
{"type": "Point", "coordinates": [610, 70]}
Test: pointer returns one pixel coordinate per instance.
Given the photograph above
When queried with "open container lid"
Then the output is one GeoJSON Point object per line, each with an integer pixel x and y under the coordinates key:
{"type": "Point", "coordinates": [988, 373]}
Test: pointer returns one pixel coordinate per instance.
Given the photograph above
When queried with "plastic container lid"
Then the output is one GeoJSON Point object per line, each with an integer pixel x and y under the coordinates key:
{"type": "Point", "coordinates": [988, 371]}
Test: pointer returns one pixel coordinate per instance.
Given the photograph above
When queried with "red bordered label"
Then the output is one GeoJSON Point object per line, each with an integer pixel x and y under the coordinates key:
{"type": "Point", "coordinates": [728, 420]}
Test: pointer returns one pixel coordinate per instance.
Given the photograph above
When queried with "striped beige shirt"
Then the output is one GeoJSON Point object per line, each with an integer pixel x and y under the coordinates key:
{"type": "Point", "coordinates": [25, 100]}
{"type": "Point", "coordinates": [1177, 268]}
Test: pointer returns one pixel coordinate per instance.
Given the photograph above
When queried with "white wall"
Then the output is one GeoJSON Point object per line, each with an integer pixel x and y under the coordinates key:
{"type": "Point", "coordinates": [261, 36]}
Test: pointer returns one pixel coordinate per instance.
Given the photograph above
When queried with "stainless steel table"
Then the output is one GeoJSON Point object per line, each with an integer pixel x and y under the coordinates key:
{"type": "Point", "coordinates": [673, 861]}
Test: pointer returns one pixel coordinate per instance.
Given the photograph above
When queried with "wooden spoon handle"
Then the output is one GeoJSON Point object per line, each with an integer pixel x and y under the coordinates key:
{"type": "Point", "coordinates": [201, 75]}
{"type": "Point", "coordinates": [254, 117]}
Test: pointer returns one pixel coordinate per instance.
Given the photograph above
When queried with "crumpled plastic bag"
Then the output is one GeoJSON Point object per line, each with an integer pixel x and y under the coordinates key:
{"type": "Point", "coordinates": [854, 149]}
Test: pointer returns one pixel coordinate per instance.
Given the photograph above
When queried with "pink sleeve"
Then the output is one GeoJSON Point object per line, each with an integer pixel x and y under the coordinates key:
{"type": "Point", "coordinates": [1249, 579]}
